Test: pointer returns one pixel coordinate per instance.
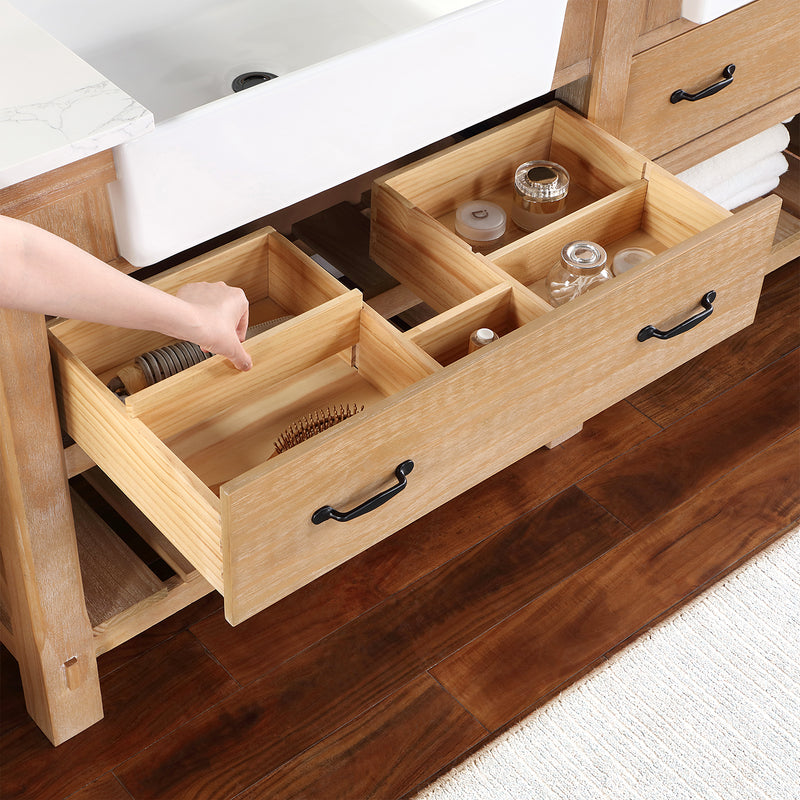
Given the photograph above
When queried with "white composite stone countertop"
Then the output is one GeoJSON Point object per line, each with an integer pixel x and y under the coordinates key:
{"type": "Point", "coordinates": [54, 107]}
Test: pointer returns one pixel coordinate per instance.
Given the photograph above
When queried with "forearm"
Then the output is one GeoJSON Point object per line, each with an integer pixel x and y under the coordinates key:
{"type": "Point", "coordinates": [43, 273]}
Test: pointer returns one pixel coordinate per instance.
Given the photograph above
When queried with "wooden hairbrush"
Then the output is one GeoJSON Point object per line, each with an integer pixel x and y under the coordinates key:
{"type": "Point", "coordinates": [311, 424]}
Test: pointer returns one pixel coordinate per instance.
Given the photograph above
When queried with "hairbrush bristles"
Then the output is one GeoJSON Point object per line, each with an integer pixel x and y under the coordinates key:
{"type": "Point", "coordinates": [312, 424]}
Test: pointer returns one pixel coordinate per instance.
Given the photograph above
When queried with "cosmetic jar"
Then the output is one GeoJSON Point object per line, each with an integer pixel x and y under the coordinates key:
{"type": "Point", "coordinates": [630, 257]}
{"type": "Point", "coordinates": [540, 194]}
{"type": "Point", "coordinates": [480, 222]}
{"type": "Point", "coordinates": [583, 265]}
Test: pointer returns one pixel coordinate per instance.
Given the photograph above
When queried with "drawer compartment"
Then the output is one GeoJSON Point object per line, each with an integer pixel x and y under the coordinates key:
{"type": "Point", "coordinates": [413, 210]}
{"type": "Point", "coordinates": [503, 309]}
{"type": "Point", "coordinates": [760, 40]}
{"type": "Point", "coordinates": [629, 202]}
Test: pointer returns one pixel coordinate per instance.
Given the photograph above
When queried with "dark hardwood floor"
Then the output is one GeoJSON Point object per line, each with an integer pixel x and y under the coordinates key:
{"type": "Point", "coordinates": [382, 673]}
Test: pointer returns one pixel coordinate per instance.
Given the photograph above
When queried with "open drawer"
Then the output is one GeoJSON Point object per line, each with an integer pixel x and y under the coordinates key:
{"type": "Point", "coordinates": [617, 198]}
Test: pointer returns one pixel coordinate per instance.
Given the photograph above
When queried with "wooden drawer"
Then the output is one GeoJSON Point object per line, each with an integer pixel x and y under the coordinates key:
{"type": "Point", "coordinates": [195, 452]}
{"type": "Point", "coordinates": [761, 40]}
{"type": "Point", "coordinates": [581, 357]}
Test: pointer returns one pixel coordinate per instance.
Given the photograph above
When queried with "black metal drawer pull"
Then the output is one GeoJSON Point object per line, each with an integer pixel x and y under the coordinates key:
{"type": "Point", "coordinates": [706, 301]}
{"type": "Point", "coordinates": [727, 77]}
{"type": "Point", "coordinates": [326, 512]}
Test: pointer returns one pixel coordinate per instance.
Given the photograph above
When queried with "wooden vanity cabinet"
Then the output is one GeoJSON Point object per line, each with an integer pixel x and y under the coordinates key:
{"type": "Point", "coordinates": [195, 464]}
{"type": "Point", "coordinates": [195, 451]}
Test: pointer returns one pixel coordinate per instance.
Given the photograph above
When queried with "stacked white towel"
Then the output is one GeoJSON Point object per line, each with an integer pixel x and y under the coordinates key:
{"type": "Point", "coordinates": [743, 172]}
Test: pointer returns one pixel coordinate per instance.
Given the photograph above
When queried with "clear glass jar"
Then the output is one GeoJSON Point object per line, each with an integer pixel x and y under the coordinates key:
{"type": "Point", "coordinates": [583, 265]}
{"type": "Point", "coordinates": [540, 194]}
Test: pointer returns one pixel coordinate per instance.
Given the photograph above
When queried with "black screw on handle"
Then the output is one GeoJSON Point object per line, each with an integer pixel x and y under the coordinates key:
{"type": "Point", "coordinates": [727, 78]}
{"type": "Point", "coordinates": [326, 512]}
{"type": "Point", "coordinates": [651, 331]}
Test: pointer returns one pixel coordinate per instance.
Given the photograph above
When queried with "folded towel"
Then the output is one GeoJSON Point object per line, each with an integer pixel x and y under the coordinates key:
{"type": "Point", "coordinates": [730, 162]}
{"type": "Point", "coordinates": [767, 169]}
{"type": "Point", "coordinates": [752, 192]}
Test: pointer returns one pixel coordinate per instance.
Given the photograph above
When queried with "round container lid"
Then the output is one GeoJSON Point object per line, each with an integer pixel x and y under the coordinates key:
{"type": "Point", "coordinates": [584, 255]}
{"type": "Point", "coordinates": [484, 335]}
{"type": "Point", "coordinates": [480, 220]}
{"type": "Point", "coordinates": [630, 257]}
{"type": "Point", "coordinates": [543, 181]}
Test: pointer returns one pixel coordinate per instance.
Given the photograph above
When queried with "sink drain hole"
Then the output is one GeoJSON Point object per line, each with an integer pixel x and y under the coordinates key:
{"type": "Point", "coordinates": [248, 79]}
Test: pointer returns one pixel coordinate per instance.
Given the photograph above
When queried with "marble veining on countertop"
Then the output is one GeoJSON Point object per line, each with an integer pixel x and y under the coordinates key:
{"type": "Point", "coordinates": [54, 107]}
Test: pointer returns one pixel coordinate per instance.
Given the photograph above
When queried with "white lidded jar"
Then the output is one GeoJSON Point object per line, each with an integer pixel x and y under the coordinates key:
{"type": "Point", "coordinates": [582, 266]}
{"type": "Point", "coordinates": [630, 257]}
{"type": "Point", "coordinates": [480, 338]}
{"type": "Point", "coordinates": [481, 222]}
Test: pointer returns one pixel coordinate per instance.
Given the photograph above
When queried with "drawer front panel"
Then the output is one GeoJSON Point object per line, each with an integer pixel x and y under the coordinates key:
{"type": "Point", "coordinates": [483, 413]}
{"type": "Point", "coordinates": [762, 40]}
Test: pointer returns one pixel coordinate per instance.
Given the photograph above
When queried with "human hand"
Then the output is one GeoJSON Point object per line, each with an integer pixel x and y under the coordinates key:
{"type": "Point", "coordinates": [219, 315]}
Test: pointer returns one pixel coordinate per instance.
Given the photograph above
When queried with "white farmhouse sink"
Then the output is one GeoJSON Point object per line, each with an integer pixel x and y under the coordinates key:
{"type": "Point", "coordinates": [360, 83]}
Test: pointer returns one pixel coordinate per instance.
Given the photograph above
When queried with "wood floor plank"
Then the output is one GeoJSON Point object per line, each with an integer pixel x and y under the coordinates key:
{"type": "Point", "coordinates": [160, 633]}
{"type": "Point", "coordinates": [272, 720]}
{"type": "Point", "coordinates": [775, 332]}
{"type": "Point", "coordinates": [260, 644]}
{"type": "Point", "coordinates": [268, 639]}
{"type": "Point", "coordinates": [142, 701]}
{"type": "Point", "coordinates": [106, 787]}
{"type": "Point", "coordinates": [669, 468]}
{"type": "Point", "coordinates": [394, 745]}
{"type": "Point", "coordinates": [14, 712]}
{"type": "Point", "coordinates": [508, 669]}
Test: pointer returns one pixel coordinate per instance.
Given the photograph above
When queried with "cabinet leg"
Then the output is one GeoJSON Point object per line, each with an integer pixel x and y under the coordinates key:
{"type": "Point", "coordinates": [51, 635]}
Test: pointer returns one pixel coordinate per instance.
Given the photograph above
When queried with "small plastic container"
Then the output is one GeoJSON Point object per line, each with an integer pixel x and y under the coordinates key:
{"type": "Point", "coordinates": [540, 194]}
{"type": "Point", "coordinates": [481, 223]}
{"type": "Point", "coordinates": [481, 337]}
{"type": "Point", "coordinates": [630, 257]}
{"type": "Point", "coordinates": [583, 265]}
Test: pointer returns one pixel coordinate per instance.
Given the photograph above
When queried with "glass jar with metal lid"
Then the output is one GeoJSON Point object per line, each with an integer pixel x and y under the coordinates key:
{"type": "Point", "coordinates": [583, 265]}
{"type": "Point", "coordinates": [540, 194]}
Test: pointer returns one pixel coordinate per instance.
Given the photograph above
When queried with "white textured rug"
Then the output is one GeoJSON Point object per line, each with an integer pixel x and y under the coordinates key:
{"type": "Point", "coordinates": [705, 706]}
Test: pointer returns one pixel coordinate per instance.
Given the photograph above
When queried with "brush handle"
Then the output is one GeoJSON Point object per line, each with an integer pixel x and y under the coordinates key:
{"type": "Point", "coordinates": [327, 512]}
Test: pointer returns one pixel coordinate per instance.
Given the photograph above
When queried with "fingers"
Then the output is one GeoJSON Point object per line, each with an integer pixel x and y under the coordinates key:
{"type": "Point", "coordinates": [222, 313]}
{"type": "Point", "coordinates": [240, 358]}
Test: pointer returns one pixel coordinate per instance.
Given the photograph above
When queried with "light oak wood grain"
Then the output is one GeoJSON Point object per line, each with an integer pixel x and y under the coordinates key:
{"type": "Point", "coordinates": [466, 411]}
{"type": "Point", "coordinates": [71, 202]}
{"type": "Point", "coordinates": [113, 577]}
{"type": "Point", "coordinates": [412, 209]}
{"type": "Point", "coordinates": [730, 134]}
{"type": "Point", "coordinates": [760, 39]}
{"type": "Point", "coordinates": [175, 500]}
{"type": "Point", "coordinates": [52, 634]}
